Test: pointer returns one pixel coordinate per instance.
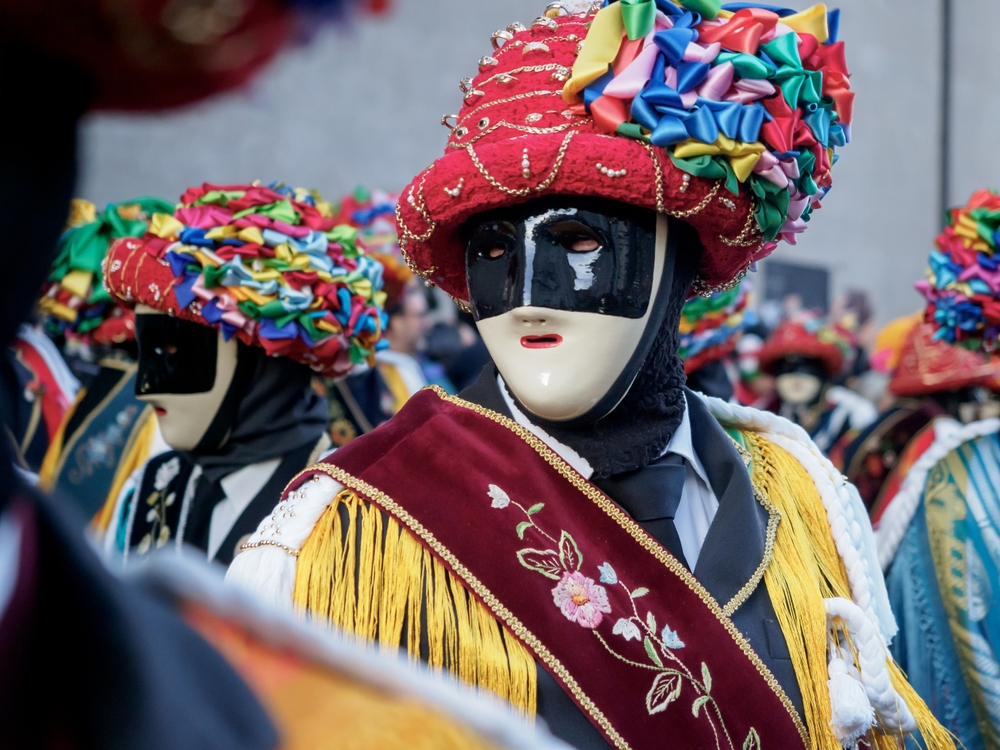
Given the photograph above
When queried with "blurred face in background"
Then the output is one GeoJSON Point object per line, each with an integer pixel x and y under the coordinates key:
{"type": "Point", "coordinates": [409, 325]}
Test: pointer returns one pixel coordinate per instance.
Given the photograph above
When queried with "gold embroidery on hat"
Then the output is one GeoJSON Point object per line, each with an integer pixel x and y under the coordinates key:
{"type": "Point", "coordinates": [560, 155]}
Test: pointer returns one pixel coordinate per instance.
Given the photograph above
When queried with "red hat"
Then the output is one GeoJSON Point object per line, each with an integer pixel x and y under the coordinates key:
{"type": "Point", "coordinates": [927, 366]}
{"type": "Point", "coordinates": [265, 264]}
{"type": "Point", "coordinates": [811, 339]}
{"type": "Point", "coordinates": [521, 135]}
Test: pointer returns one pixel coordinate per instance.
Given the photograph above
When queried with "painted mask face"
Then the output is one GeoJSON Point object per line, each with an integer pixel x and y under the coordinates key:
{"type": "Point", "coordinates": [568, 295]}
{"type": "Point", "coordinates": [185, 371]}
{"type": "Point", "coordinates": [799, 380]}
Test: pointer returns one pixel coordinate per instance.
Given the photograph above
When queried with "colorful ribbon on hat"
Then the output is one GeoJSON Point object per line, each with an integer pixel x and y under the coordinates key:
{"type": "Point", "coordinates": [747, 93]}
{"type": "Point", "coordinates": [962, 287]}
{"type": "Point", "coordinates": [711, 326]}
{"type": "Point", "coordinates": [74, 301]}
{"type": "Point", "coordinates": [272, 262]}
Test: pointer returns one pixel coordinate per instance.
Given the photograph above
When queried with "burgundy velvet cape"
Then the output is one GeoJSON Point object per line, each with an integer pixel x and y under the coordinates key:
{"type": "Point", "coordinates": [641, 647]}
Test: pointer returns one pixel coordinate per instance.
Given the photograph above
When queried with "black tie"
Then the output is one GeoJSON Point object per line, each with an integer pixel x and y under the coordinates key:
{"type": "Point", "coordinates": [651, 495]}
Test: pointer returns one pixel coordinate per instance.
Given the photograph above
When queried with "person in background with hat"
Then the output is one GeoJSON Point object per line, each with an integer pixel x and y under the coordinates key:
{"type": "Point", "coordinates": [107, 433]}
{"type": "Point", "coordinates": [938, 534]}
{"type": "Point", "coordinates": [241, 295]}
{"type": "Point", "coordinates": [805, 357]}
{"type": "Point", "coordinates": [929, 379]}
{"type": "Point", "coordinates": [577, 532]}
{"type": "Point", "coordinates": [710, 331]}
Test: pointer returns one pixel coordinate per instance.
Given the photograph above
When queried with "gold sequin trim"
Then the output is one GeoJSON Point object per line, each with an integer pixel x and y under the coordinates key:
{"type": "Point", "coordinates": [518, 43]}
{"type": "Point", "coordinates": [521, 192]}
{"type": "Point", "coordinates": [417, 201]}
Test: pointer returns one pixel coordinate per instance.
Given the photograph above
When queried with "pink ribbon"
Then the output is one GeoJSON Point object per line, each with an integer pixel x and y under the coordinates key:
{"type": "Point", "coordinates": [203, 217]}
{"type": "Point", "coordinates": [628, 83]}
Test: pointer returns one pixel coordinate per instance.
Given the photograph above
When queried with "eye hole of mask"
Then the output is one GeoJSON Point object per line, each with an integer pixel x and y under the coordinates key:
{"type": "Point", "coordinates": [175, 356]}
{"type": "Point", "coordinates": [573, 235]}
{"type": "Point", "coordinates": [494, 239]}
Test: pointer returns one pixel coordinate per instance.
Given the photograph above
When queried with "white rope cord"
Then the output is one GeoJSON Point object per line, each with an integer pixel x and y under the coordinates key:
{"type": "Point", "coordinates": [845, 511]}
{"type": "Point", "coordinates": [948, 435]}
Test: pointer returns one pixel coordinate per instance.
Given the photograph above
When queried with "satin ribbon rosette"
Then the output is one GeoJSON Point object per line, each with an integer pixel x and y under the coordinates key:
{"type": "Point", "coordinates": [753, 95]}
{"type": "Point", "coordinates": [962, 285]}
{"type": "Point", "coordinates": [270, 265]}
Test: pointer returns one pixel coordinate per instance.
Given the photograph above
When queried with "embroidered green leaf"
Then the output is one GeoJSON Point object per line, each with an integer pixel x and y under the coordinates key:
{"type": "Point", "coordinates": [699, 702]}
{"type": "Point", "coordinates": [752, 742]}
{"type": "Point", "coordinates": [651, 621]}
{"type": "Point", "coordinates": [665, 690]}
{"type": "Point", "coordinates": [569, 553]}
{"type": "Point", "coordinates": [535, 508]}
{"type": "Point", "coordinates": [641, 591]}
{"type": "Point", "coordinates": [522, 527]}
{"type": "Point", "coordinates": [706, 677]}
{"type": "Point", "coordinates": [544, 561]}
{"type": "Point", "coordinates": [651, 651]}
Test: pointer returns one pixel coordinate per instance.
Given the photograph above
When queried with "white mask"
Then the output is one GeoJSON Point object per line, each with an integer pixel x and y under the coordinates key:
{"type": "Point", "coordinates": [184, 417]}
{"type": "Point", "coordinates": [561, 363]}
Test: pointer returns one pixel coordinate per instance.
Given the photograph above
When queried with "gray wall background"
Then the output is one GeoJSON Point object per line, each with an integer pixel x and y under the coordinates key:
{"type": "Point", "coordinates": [362, 105]}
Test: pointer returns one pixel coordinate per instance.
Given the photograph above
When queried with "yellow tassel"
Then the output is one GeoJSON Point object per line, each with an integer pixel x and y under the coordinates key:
{"type": "Point", "coordinates": [805, 569]}
{"type": "Point", "coordinates": [363, 573]}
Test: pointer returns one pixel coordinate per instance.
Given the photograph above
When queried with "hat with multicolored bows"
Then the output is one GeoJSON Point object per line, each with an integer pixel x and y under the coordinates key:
{"type": "Point", "coordinates": [267, 264]}
{"type": "Point", "coordinates": [962, 287]}
{"type": "Point", "coordinates": [372, 213]}
{"type": "Point", "coordinates": [711, 327]}
{"type": "Point", "coordinates": [74, 302]}
{"type": "Point", "coordinates": [811, 338]}
{"type": "Point", "coordinates": [727, 118]}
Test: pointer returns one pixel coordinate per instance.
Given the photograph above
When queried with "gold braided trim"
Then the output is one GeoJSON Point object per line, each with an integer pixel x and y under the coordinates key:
{"type": "Point", "coordinates": [508, 99]}
{"type": "Point", "coordinates": [531, 129]}
{"type": "Point", "coordinates": [748, 236]}
{"type": "Point", "coordinates": [518, 43]}
{"type": "Point", "coordinates": [773, 519]}
{"type": "Point", "coordinates": [499, 611]}
{"type": "Point", "coordinates": [269, 543]}
{"type": "Point", "coordinates": [406, 234]}
{"type": "Point", "coordinates": [521, 192]}
{"type": "Point", "coordinates": [523, 69]}
{"type": "Point", "coordinates": [636, 532]}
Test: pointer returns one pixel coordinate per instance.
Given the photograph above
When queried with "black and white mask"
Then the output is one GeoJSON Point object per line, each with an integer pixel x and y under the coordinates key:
{"type": "Point", "coordinates": [569, 294]}
{"type": "Point", "coordinates": [185, 372]}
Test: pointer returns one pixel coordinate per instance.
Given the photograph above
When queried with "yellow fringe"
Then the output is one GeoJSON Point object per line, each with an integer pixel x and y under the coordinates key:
{"type": "Point", "coordinates": [368, 576]}
{"type": "Point", "coordinates": [804, 570]}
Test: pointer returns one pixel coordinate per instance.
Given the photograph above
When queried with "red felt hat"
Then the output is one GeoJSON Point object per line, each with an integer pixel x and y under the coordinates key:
{"type": "Point", "coordinates": [927, 366]}
{"type": "Point", "coordinates": [515, 139]}
{"type": "Point", "coordinates": [809, 339]}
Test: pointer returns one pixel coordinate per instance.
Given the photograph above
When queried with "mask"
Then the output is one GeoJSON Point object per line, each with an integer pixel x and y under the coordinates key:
{"type": "Point", "coordinates": [568, 295]}
{"type": "Point", "coordinates": [798, 388]}
{"type": "Point", "coordinates": [185, 372]}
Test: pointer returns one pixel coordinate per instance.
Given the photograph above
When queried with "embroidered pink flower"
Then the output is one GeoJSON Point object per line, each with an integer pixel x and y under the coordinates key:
{"type": "Point", "coordinates": [581, 600]}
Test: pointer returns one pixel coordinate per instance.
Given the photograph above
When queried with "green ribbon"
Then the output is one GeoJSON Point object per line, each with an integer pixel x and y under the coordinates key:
{"type": "Point", "coordinates": [279, 210]}
{"type": "Point", "coordinates": [747, 66]}
{"type": "Point", "coordinates": [795, 82]}
{"type": "Point", "coordinates": [346, 235]}
{"type": "Point", "coordinates": [987, 224]}
{"type": "Point", "coordinates": [771, 207]}
{"type": "Point", "coordinates": [218, 198]}
{"type": "Point", "coordinates": [698, 307]}
{"type": "Point", "coordinates": [84, 248]}
{"type": "Point", "coordinates": [638, 17]}
{"type": "Point", "coordinates": [708, 9]}
{"type": "Point", "coordinates": [710, 167]}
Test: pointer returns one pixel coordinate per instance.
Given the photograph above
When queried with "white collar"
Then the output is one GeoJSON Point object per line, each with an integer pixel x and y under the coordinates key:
{"type": "Point", "coordinates": [683, 444]}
